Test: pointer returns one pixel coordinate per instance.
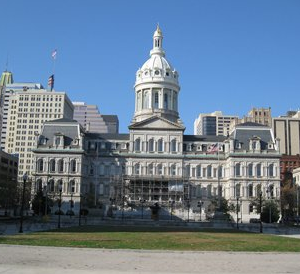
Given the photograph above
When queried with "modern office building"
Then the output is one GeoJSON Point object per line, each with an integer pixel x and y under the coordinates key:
{"type": "Point", "coordinates": [214, 123]}
{"type": "Point", "coordinates": [6, 78]}
{"type": "Point", "coordinates": [156, 165]}
{"type": "Point", "coordinates": [92, 121]}
{"type": "Point", "coordinates": [287, 129]}
{"type": "Point", "coordinates": [27, 106]}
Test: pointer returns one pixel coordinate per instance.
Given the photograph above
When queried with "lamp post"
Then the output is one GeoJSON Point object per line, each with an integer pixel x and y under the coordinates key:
{"type": "Point", "coordinates": [260, 208]}
{"type": "Point", "coordinates": [270, 206]}
{"type": "Point", "coordinates": [59, 204]}
{"type": "Point", "coordinates": [297, 205]}
{"type": "Point", "coordinates": [71, 205]}
{"type": "Point", "coordinates": [123, 205]}
{"type": "Point", "coordinates": [237, 212]}
{"type": "Point", "coordinates": [171, 202]}
{"type": "Point", "coordinates": [79, 221]}
{"type": "Point", "coordinates": [142, 201]}
{"type": "Point", "coordinates": [200, 203]}
{"type": "Point", "coordinates": [25, 177]}
{"type": "Point", "coordinates": [188, 206]}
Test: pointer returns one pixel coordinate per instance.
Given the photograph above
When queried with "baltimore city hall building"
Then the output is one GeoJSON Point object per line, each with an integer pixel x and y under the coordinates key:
{"type": "Point", "coordinates": [155, 163]}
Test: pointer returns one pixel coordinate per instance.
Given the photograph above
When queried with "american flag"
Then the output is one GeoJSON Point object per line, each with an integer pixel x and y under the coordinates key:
{"type": "Point", "coordinates": [54, 54]}
{"type": "Point", "coordinates": [213, 148]}
{"type": "Point", "coordinates": [51, 82]}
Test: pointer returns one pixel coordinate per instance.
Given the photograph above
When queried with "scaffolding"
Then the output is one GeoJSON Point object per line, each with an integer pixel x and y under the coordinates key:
{"type": "Point", "coordinates": [162, 190]}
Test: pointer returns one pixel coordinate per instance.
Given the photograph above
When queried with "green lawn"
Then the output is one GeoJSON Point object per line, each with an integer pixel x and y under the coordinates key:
{"type": "Point", "coordinates": [156, 238]}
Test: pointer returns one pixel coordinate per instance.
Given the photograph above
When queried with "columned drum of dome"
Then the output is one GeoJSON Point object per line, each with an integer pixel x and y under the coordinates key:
{"type": "Point", "coordinates": [156, 86]}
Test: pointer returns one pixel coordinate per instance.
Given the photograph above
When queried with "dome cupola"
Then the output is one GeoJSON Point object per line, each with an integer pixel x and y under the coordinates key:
{"type": "Point", "coordinates": [156, 85]}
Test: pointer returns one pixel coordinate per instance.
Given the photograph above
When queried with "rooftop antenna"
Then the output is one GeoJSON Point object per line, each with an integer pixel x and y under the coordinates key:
{"type": "Point", "coordinates": [6, 65]}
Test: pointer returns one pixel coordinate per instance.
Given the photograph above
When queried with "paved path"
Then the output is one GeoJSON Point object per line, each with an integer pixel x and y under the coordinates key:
{"type": "Point", "coordinates": [46, 260]}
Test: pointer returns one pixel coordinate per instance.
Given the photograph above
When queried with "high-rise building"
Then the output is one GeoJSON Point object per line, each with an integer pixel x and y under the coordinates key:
{"type": "Point", "coordinates": [27, 106]}
{"type": "Point", "coordinates": [287, 129]}
{"type": "Point", "coordinates": [92, 121]}
{"type": "Point", "coordinates": [6, 78]}
{"type": "Point", "coordinates": [214, 123]}
{"type": "Point", "coordinates": [255, 115]}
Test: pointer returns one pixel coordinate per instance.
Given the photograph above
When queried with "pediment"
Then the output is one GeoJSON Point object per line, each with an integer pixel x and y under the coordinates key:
{"type": "Point", "coordinates": [157, 122]}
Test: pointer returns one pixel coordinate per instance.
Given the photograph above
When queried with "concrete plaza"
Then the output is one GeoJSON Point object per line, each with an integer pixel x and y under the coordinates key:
{"type": "Point", "coordinates": [46, 260]}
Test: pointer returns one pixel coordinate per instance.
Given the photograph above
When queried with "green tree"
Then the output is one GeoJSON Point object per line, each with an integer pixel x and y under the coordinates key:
{"type": "Point", "coordinates": [39, 203]}
{"type": "Point", "coordinates": [270, 211]}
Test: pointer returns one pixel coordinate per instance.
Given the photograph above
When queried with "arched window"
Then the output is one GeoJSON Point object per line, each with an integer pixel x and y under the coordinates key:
{"type": "Point", "coordinates": [51, 185]}
{"type": "Point", "coordinates": [73, 166]}
{"type": "Point", "coordinates": [60, 165]}
{"type": "Point", "coordinates": [150, 169]}
{"type": "Point", "coordinates": [166, 104]}
{"type": "Point", "coordinates": [209, 171]}
{"type": "Point", "coordinates": [137, 144]}
{"type": "Point", "coordinates": [238, 169]}
{"type": "Point", "coordinates": [59, 186]}
{"type": "Point", "coordinates": [146, 100]}
{"type": "Point", "coordinates": [271, 170]}
{"type": "Point", "coordinates": [258, 190]}
{"type": "Point", "coordinates": [160, 145]}
{"type": "Point", "coordinates": [187, 170]}
{"type": "Point", "coordinates": [52, 165]}
{"type": "Point", "coordinates": [151, 145]}
{"type": "Point", "coordinates": [258, 170]}
{"type": "Point", "coordinates": [40, 165]}
{"type": "Point", "coordinates": [139, 101]}
{"type": "Point", "coordinates": [173, 170]}
{"type": "Point", "coordinates": [250, 190]}
{"type": "Point", "coordinates": [250, 170]}
{"type": "Point", "coordinates": [237, 190]}
{"type": "Point", "coordinates": [156, 100]}
{"type": "Point", "coordinates": [175, 100]}
{"type": "Point", "coordinates": [173, 145]}
{"type": "Point", "coordinates": [209, 191]}
{"type": "Point", "coordinates": [198, 171]}
{"type": "Point", "coordinates": [137, 169]}
{"type": "Point", "coordinates": [72, 186]}
{"type": "Point", "coordinates": [38, 185]}
{"type": "Point", "coordinates": [270, 191]}
{"type": "Point", "coordinates": [159, 169]}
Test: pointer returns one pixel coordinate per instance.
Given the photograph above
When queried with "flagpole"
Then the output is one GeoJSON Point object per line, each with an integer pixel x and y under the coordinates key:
{"type": "Point", "coordinates": [54, 52]}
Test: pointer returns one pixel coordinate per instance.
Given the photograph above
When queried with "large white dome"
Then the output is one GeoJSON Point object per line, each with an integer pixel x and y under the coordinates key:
{"type": "Point", "coordinates": [157, 68]}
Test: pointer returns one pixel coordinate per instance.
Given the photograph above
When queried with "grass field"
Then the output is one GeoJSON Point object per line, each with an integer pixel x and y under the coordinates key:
{"type": "Point", "coordinates": [156, 239]}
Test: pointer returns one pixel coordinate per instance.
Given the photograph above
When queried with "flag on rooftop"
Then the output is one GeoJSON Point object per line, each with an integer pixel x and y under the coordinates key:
{"type": "Point", "coordinates": [54, 54]}
{"type": "Point", "coordinates": [213, 148]}
{"type": "Point", "coordinates": [51, 82]}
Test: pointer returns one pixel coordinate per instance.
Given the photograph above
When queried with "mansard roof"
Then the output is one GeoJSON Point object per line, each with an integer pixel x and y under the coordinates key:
{"type": "Point", "coordinates": [204, 138]}
{"type": "Point", "coordinates": [108, 136]}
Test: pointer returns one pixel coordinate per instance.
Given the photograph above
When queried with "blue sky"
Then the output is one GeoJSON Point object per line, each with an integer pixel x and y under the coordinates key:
{"type": "Point", "coordinates": [231, 55]}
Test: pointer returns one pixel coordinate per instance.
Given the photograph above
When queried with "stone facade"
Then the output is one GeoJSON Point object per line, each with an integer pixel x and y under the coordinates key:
{"type": "Point", "coordinates": [156, 163]}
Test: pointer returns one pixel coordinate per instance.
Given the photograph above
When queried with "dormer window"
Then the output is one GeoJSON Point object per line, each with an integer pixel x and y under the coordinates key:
{"type": "Point", "coordinates": [57, 140]}
{"type": "Point", "coordinates": [156, 72]}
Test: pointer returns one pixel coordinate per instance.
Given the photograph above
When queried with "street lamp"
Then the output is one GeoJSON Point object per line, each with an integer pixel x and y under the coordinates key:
{"type": "Point", "coordinates": [297, 205]}
{"type": "Point", "coordinates": [142, 201]}
{"type": "Point", "coordinates": [172, 203]}
{"type": "Point", "coordinates": [260, 208]}
{"type": "Point", "coordinates": [188, 206]}
{"type": "Point", "coordinates": [59, 204]}
{"type": "Point", "coordinates": [200, 204]}
{"type": "Point", "coordinates": [270, 206]}
{"type": "Point", "coordinates": [237, 212]}
{"type": "Point", "coordinates": [25, 177]}
{"type": "Point", "coordinates": [123, 205]}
